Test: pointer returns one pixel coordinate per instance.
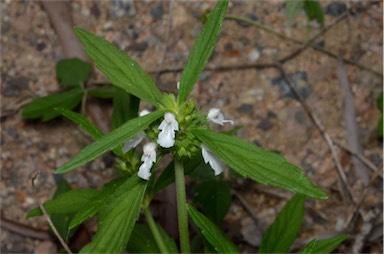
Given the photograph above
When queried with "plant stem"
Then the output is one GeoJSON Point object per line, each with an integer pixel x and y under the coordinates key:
{"type": "Point", "coordinates": [182, 207]}
{"type": "Point", "coordinates": [155, 231]}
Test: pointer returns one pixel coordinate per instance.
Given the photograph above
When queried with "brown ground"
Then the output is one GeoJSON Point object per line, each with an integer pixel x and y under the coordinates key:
{"type": "Point", "coordinates": [255, 99]}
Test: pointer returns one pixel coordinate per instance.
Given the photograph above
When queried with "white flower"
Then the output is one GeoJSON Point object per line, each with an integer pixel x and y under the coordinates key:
{"type": "Point", "coordinates": [128, 145]}
{"type": "Point", "coordinates": [168, 128]}
{"type": "Point", "coordinates": [148, 158]}
{"type": "Point", "coordinates": [144, 112]}
{"type": "Point", "coordinates": [216, 164]}
{"type": "Point", "coordinates": [178, 85]}
{"type": "Point", "coordinates": [216, 116]}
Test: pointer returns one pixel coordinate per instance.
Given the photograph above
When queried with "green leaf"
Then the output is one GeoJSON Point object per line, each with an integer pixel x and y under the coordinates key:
{"type": "Point", "coordinates": [142, 240]}
{"type": "Point", "coordinates": [213, 235]}
{"type": "Point", "coordinates": [258, 164]}
{"type": "Point", "coordinates": [119, 68]}
{"type": "Point", "coordinates": [293, 8]}
{"type": "Point", "coordinates": [328, 245]}
{"type": "Point", "coordinates": [43, 107]}
{"type": "Point", "coordinates": [309, 247]}
{"type": "Point", "coordinates": [106, 92]}
{"type": "Point", "coordinates": [83, 122]}
{"type": "Point", "coordinates": [96, 203]}
{"type": "Point", "coordinates": [214, 197]}
{"type": "Point", "coordinates": [115, 138]}
{"type": "Point", "coordinates": [281, 234]}
{"type": "Point", "coordinates": [72, 72]}
{"type": "Point", "coordinates": [66, 203]}
{"type": "Point", "coordinates": [118, 217]}
{"type": "Point", "coordinates": [314, 11]}
{"type": "Point", "coordinates": [202, 50]}
{"type": "Point", "coordinates": [125, 107]}
{"type": "Point", "coordinates": [379, 102]}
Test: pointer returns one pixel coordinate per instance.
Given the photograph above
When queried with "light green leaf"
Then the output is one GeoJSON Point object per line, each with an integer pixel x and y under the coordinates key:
{"type": "Point", "coordinates": [115, 138]}
{"type": "Point", "coordinates": [258, 164]}
{"type": "Point", "coordinates": [118, 217]}
{"type": "Point", "coordinates": [293, 8]}
{"type": "Point", "coordinates": [281, 234]}
{"type": "Point", "coordinates": [72, 72]}
{"type": "Point", "coordinates": [314, 11]}
{"type": "Point", "coordinates": [213, 235]}
{"type": "Point", "coordinates": [96, 203]}
{"type": "Point", "coordinates": [105, 92]}
{"type": "Point", "coordinates": [142, 240]}
{"type": "Point", "coordinates": [328, 245]}
{"type": "Point", "coordinates": [214, 197]}
{"type": "Point", "coordinates": [66, 203]}
{"type": "Point", "coordinates": [119, 68]}
{"type": "Point", "coordinates": [202, 50]}
{"type": "Point", "coordinates": [43, 107]}
{"type": "Point", "coordinates": [83, 122]}
{"type": "Point", "coordinates": [125, 107]}
{"type": "Point", "coordinates": [309, 247]}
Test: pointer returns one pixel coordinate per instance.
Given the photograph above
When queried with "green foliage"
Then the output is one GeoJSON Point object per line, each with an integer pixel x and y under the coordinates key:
{"type": "Point", "coordinates": [258, 164]}
{"type": "Point", "coordinates": [202, 50]}
{"type": "Point", "coordinates": [72, 72]}
{"type": "Point", "coordinates": [213, 235]}
{"type": "Point", "coordinates": [106, 92]}
{"type": "Point", "coordinates": [119, 68]}
{"type": "Point", "coordinates": [118, 217]}
{"type": "Point", "coordinates": [293, 8]}
{"type": "Point", "coordinates": [43, 107]}
{"type": "Point", "coordinates": [309, 247]}
{"type": "Point", "coordinates": [282, 233]}
{"type": "Point", "coordinates": [215, 198]}
{"type": "Point", "coordinates": [125, 107]}
{"type": "Point", "coordinates": [113, 139]}
{"type": "Point", "coordinates": [328, 245]}
{"type": "Point", "coordinates": [311, 7]}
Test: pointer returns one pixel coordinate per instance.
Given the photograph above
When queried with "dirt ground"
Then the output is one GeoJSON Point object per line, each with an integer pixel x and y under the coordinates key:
{"type": "Point", "coordinates": [256, 98]}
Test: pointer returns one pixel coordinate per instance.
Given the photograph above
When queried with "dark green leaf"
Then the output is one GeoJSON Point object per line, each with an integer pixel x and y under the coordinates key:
{"type": "Point", "coordinates": [328, 245]}
{"type": "Point", "coordinates": [293, 8]}
{"type": "Point", "coordinates": [142, 240]}
{"type": "Point", "coordinates": [66, 203]}
{"type": "Point", "coordinates": [202, 50]}
{"type": "Point", "coordinates": [309, 247]}
{"type": "Point", "coordinates": [96, 203]}
{"type": "Point", "coordinates": [113, 139]}
{"type": "Point", "coordinates": [125, 107]}
{"type": "Point", "coordinates": [120, 69]}
{"type": "Point", "coordinates": [314, 11]}
{"type": "Point", "coordinates": [43, 107]}
{"type": "Point", "coordinates": [72, 72]}
{"type": "Point", "coordinates": [83, 122]}
{"type": "Point", "coordinates": [117, 218]}
{"type": "Point", "coordinates": [258, 164]}
{"type": "Point", "coordinates": [213, 235]}
{"type": "Point", "coordinates": [214, 197]}
{"type": "Point", "coordinates": [379, 102]}
{"type": "Point", "coordinates": [106, 92]}
{"type": "Point", "coordinates": [281, 234]}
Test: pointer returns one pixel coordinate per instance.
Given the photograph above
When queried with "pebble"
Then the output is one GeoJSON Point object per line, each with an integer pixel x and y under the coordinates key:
{"type": "Point", "coordinates": [122, 8]}
{"type": "Point", "coordinates": [299, 79]}
{"type": "Point", "coordinates": [14, 85]}
{"type": "Point", "coordinates": [265, 124]}
{"type": "Point", "coordinates": [335, 8]}
{"type": "Point", "coordinates": [157, 12]}
{"type": "Point", "coordinates": [246, 108]}
{"type": "Point", "coordinates": [139, 46]}
{"type": "Point", "coordinates": [300, 117]}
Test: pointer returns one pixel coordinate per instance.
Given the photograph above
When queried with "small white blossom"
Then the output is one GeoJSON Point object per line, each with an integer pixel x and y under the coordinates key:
{"type": "Point", "coordinates": [168, 128]}
{"type": "Point", "coordinates": [216, 164]}
{"type": "Point", "coordinates": [128, 145]}
{"type": "Point", "coordinates": [148, 158]}
{"type": "Point", "coordinates": [178, 85]}
{"type": "Point", "coordinates": [216, 116]}
{"type": "Point", "coordinates": [144, 112]}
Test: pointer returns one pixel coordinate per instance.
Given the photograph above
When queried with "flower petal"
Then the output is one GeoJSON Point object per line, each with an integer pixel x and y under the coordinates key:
{"type": "Point", "coordinates": [216, 164]}
{"type": "Point", "coordinates": [128, 145]}
{"type": "Point", "coordinates": [215, 115]}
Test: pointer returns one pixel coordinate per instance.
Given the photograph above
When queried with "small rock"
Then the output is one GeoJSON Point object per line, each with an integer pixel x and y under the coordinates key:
{"type": "Point", "coordinates": [121, 8]}
{"type": "Point", "coordinates": [257, 142]}
{"type": "Point", "coordinates": [246, 108]}
{"type": "Point", "coordinates": [336, 9]}
{"type": "Point", "coordinates": [157, 12]}
{"type": "Point", "coordinates": [254, 55]}
{"type": "Point", "coordinates": [14, 85]}
{"type": "Point", "coordinates": [95, 11]}
{"type": "Point", "coordinates": [265, 124]}
{"type": "Point", "coordinates": [300, 117]}
{"type": "Point", "coordinates": [139, 46]}
{"type": "Point", "coordinates": [13, 133]}
{"type": "Point", "coordinates": [40, 46]}
{"type": "Point", "coordinates": [299, 80]}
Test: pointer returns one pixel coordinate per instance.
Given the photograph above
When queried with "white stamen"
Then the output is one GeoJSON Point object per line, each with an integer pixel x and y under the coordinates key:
{"type": "Point", "coordinates": [215, 115]}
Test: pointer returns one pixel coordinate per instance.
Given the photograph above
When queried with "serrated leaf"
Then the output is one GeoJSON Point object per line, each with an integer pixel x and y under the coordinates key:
{"type": "Point", "coordinates": [117, 218]}
{"type": "Point", "coordinates": [72, 72]}
{"type": "Point", "coordinates": [214, 197]}
{"type": "Point", "coordinates": [262, 166]}
{"type": "Point", "coordinates": [95, 204]}
{"type": "Point", "coordinates": [309, 247]}
{"type": "Point", "coordinates": [66, 203]}
{"type": "Point", "coordinates": [111, 140]}
{"type": "Point", "coordinates": [293, 8]}
{"type": "Point", "coordinates": [314, 11]}
{"type": "Point", "coordinates": [142, 240]}
{"type": "Point", "coordinates": [202, 50]}
{"type": "Point", "coordinates": [83, 122]}
{"type": "Point", "coordinates": [328, 245]}
{"type": "Point", "coordinates": [119, 68]}
{"type": "Point", "coordinates": [125, 107]}
{"type": "Point", "coordinates": [43, 107]}
{"type": "Point", "coordinates": [282, 233]}
{"type": "Point", "coordinates": [106, 92]}
{"type": "Point", "coordinates": [213, 235]}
